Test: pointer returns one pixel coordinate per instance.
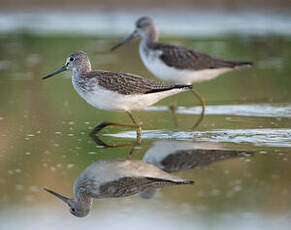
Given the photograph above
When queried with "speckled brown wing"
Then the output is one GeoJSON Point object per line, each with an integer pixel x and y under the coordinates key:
{"type": "Point", "coordinates": [186, 159]}
{"type": "Point", "coordinates": [130, 84]}
{"type": "Point", "coordinates": [128, 186]}
{"type": "Point", "coordinates": [180, 57]}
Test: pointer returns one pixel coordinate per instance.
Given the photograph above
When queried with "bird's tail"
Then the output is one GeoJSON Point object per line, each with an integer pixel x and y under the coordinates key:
{"type": "Point", "coordinates": [178, 86]}
{"type": "Point", "coordinates": [242, 64]}
{"type": "Point", "coordinates": [171, 181]}
{"type": "Point", "coordinates": [183, 86]}
{"type": "Point", "coordinates": [185, 182]}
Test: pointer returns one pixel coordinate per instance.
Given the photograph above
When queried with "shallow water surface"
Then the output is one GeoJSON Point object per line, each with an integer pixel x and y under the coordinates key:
{"type": "Point", "coordinates": [44, 127]}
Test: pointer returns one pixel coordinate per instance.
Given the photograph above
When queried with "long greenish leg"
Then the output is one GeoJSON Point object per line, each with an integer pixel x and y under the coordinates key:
{"type": "Point", "coordinates": [173, 108]}
{"type": "Point", "coordinates": [133, 150]}
{"type": "Point", "coordinates": [202, 101]}
{"type": "Point", "coordinates": [137, 125]}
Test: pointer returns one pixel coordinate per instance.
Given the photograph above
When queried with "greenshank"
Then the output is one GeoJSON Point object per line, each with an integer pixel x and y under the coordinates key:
{"type": "Point", "coordinates": [112, 178]}
{"type": "Point", "coordinates": [115, 91]}
{"type": "Point", "coordinates": [177, 63]}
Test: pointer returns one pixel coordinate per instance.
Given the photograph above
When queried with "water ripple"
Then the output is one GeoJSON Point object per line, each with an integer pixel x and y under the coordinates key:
{"type": "Point", "coordinates": [257, 137]}
{"type": "Point", "coordinates": [256, 110]}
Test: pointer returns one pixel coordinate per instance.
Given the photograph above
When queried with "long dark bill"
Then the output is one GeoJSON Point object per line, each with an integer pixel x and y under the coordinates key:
{"type": "Point", "coordinates": [63, 198]}
{"type": "Point", "coordinates": [128, 38]}
{"type": "Point", "coordinates": [62, 69]}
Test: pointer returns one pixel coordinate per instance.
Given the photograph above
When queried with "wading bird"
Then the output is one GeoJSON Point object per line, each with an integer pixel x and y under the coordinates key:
{"type": "Point", "coordinates": [115, 91]}
{"type": "Point", "coordinates": [177, 63]}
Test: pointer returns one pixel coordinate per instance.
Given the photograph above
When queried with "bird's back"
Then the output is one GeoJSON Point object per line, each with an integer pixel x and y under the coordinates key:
{"type": "Point", "coordinates": [130, 84]}
{"type": "Point", "coordinates": [184, 58]}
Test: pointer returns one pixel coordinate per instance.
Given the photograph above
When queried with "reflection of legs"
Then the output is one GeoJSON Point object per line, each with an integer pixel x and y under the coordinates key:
{"type": "Point", "coordinates": [202, 101]}
{"type": "Point", "coordinates": [173, 108]}
{"type": "Point", "coordinates": [133, 145]}
{"type": "Point", "coordinates": [104, 124]}
{"type": "Point", "coordinates": [133, 151]}
{"type": "Point", "coordinates": [103, 144]}
{"type": "Point", "coordinates": [137, 125]}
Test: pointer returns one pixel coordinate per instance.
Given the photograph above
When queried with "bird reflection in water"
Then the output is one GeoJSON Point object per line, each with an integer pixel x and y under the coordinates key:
{"type": "Point", "coordinates": [173, 156]}
{"type": "Point", "coordinates": [114, 178]}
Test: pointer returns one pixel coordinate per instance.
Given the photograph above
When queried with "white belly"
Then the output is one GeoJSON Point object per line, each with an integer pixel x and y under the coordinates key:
{"type": "Point", "coordinates": [108, 100]}
{"type": "Point", "coordinates": [166, 73]}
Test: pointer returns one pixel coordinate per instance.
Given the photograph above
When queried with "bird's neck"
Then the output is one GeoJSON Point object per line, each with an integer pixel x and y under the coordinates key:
{"type": "Point", "coordinates": [78, 72]}
{"type": "Point", "coordinates": [151, 36]}
{"type": "Point", "coordinates": [84, 199]}
{"type": "Point", "coordinates": [82, 69]}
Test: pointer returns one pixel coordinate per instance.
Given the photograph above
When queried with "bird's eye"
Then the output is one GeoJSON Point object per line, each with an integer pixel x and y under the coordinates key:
{"type": "Point", "coordinates": [73, 210]}
{"type": "Point", "coordinates": [71, 59]}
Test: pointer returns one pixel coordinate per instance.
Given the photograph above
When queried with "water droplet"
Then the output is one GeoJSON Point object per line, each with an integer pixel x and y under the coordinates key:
{"type": "Point", "coordinates": [237, 188]}
{"type": "Point", "coordinates": [33, 188]}
{"type": "Point", "coordinates": [70, 166]}
{"type": "Point", "coordinates": [215, 192]}
{"type": "Point", "coordinates": [19, 187]}
{"type": "Point", "coordinates": [29, 198]}
{"type": "Point", "coordinates": [66, 103]}
{"type": "Point", "coordinates": [53, 169]}
{"type": "Point", "coordinates": [275, 176]}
